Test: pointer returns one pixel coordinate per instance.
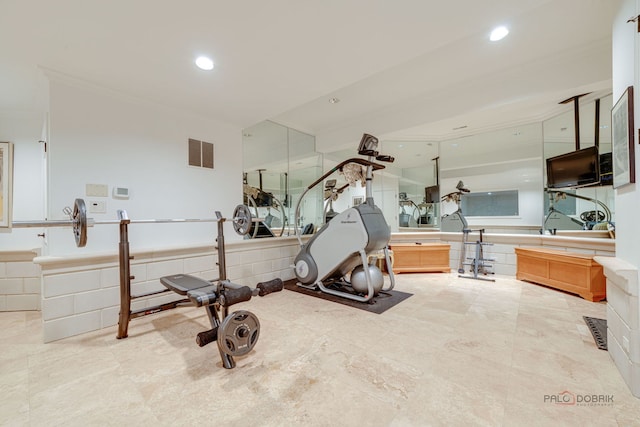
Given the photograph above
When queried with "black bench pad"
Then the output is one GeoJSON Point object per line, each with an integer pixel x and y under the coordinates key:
{"type": "Point", "coordinates": [183, 283]}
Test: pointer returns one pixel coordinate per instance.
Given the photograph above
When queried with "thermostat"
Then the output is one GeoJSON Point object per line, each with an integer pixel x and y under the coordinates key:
{"type": "Point", "coordinates": [120, 193]}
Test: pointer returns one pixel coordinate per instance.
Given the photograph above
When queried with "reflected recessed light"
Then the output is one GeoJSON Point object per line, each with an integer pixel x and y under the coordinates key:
{"type": "Point", "coordinates": [498, 33]}
{"type": "Point", "coordinates": [204, 63]}
{"type": "Point", "coordinates": [334, 100]}
{"type": "Point", "coordinates": [400, 146]}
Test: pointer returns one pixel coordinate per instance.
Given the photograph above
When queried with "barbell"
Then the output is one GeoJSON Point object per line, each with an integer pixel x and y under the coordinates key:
{"type": "Point", "coordinates": [79, 222]}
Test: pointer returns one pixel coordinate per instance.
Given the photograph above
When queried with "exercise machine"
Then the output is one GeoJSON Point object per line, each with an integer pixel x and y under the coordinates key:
{"type": "Point", "coordinates": [595, 219]}
{"type": "Point", "coordinates": [478, 264]}
{"type": "Point", "coordinates": [454, 222]}
{"type": "Point", "coordinates": [426, 214]}
{"type": "Point", "coordinates": [406, 219]}
{"type": "Point", "coordinates": [335, 260]}
{"type": "Point", "coordinates": [256, 198]}
{"type": "Point", "coordinates": [236, 333]}
{"type": "Point", "coordinates": [331, 194]}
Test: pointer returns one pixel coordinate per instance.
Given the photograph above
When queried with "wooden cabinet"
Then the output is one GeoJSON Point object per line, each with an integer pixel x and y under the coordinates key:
{"type": "Point", "coordinates": [567, 271]}
{"type": "Point", "coordinates": [420, 257]}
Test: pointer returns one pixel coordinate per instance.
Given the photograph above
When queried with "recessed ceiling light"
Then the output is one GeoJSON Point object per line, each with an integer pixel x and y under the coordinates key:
{"type": "Point", "coordinates": [204, 63]}
{"type": "Point", "coordinates": [498, 33]}
{"type": "Point", "coordinates": [334, 100]}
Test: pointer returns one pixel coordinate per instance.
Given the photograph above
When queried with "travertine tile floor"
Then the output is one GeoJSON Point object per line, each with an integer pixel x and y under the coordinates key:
{"type": "Point", "coordinates": [459, 352]}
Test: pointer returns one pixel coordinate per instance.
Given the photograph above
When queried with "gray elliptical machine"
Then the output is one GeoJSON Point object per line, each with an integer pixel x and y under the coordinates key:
{"type": "Point", "coordinates": [342, 246]}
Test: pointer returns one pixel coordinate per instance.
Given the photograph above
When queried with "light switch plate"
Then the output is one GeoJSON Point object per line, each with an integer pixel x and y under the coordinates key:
{"type": "Point", "coordinates": [97, 190]}
{"type": "Point", "coordinates": [97, 206]}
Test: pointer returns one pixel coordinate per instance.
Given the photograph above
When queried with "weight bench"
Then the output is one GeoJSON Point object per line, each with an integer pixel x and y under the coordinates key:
{"type": "Point", "coordinates": [235, 333]}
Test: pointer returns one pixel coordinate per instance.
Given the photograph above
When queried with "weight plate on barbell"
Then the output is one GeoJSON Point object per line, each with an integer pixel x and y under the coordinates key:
{"type": "Point", "coordinates": [79, 218]}
{"type": "Point", "coordinates": [238, 333]}
{"type": "Point", "coordinates": [242, 219]}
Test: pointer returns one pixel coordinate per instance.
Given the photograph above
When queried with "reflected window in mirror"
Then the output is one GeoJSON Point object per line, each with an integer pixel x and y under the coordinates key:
{"type": "Point", "coordinates": [491, 203]}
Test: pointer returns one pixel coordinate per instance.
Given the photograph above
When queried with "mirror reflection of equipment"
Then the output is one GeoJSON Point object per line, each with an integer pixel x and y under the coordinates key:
{"type": "Point", "coordinates": [454, 222]}
{"type": "Point", "coordinates": [590, 220]}
{"type": "Point", "coordinates": [409, 215]}
{"type": "Point", "coordinates": [331, 194]}
{"type": "Point", "coordinates": [335, 260]}
{"type": "Point", "coordinates": [258, 198]}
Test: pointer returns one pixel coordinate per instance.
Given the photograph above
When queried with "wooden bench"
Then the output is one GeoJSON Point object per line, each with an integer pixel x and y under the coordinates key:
{"type": "Point", "coordinates": [420, 257]}
{"type": "Point", "coordinates": [567, 271]}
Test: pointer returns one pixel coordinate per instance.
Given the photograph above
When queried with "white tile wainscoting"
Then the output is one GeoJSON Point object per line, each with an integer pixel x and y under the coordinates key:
{"type": "Point", "coordinates": [623, 318]}
{"type": "Point", "coordinates": [81, 293]}
{"type": "Point", "coordinates": [19, 281]}
{"type": "Point", "coordinates": [501, 248]}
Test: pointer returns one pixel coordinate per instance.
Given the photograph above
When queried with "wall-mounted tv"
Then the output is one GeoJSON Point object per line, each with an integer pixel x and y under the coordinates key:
{"type": "Point", "coordinates": [606, 169]}
{"type": "Point", "coordinates": [575, 169]}
{"type": "Point", "coordinates": [432, 194]}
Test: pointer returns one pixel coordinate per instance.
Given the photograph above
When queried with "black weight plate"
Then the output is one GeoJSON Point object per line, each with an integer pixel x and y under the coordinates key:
{"type": "Point", "coordinates": [242, 219]}
{"type": "Point", "coordinates": [238, 333]}
{"type": "Point", "coordinates": [79, 218]}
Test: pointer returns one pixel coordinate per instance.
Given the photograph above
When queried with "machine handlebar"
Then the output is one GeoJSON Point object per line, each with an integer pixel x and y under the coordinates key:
{"type": "Point", "coordinates": [363, 162]}
{"type": "Point", "coordinates": [385, 158]}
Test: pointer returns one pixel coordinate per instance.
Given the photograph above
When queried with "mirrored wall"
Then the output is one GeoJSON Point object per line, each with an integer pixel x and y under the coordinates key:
{"type": "Point", "coordinates": [416, 170]}
{"type": "Point", "coordinates": [278, 164]}
{"type": "Point", "coordinates": [589, 207]}
{"type": "Point", "coordinates": [500, 177]}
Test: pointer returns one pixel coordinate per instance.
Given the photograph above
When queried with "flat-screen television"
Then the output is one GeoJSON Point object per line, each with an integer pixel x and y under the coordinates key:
{"type": "Point", "coordinates": [575, 169]}
{"type": "Point", "coordinates": [606, 169]}
{"type": "Point", "coordinates": [432, 194]}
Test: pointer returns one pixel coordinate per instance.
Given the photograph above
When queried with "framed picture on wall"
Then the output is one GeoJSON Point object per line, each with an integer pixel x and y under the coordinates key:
{"type": "Point", "coordinates": [6, 184]}
{"type": "Point", "coordinates": [357, 200]}
{"type": "Point", "coordinates": [622, 134]}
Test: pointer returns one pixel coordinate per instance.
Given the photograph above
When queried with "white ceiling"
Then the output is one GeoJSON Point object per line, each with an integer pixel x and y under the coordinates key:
{"type": "Point", "coordinates": [406, 69]}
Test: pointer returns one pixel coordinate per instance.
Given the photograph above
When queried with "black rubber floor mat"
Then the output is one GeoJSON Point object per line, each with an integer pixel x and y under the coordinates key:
{"type": "Point", "coordinates": [598, 328]}
{"type": "Point", "coordinates": [381, 302]}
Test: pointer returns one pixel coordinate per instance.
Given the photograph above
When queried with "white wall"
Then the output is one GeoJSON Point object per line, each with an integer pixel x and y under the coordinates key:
{"type": "Point", "coordinates": [625, 73]}
{"type": "Point", "coordinates": [99, 137]}
{"type": "Point", "coordinates": [24, 130]}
